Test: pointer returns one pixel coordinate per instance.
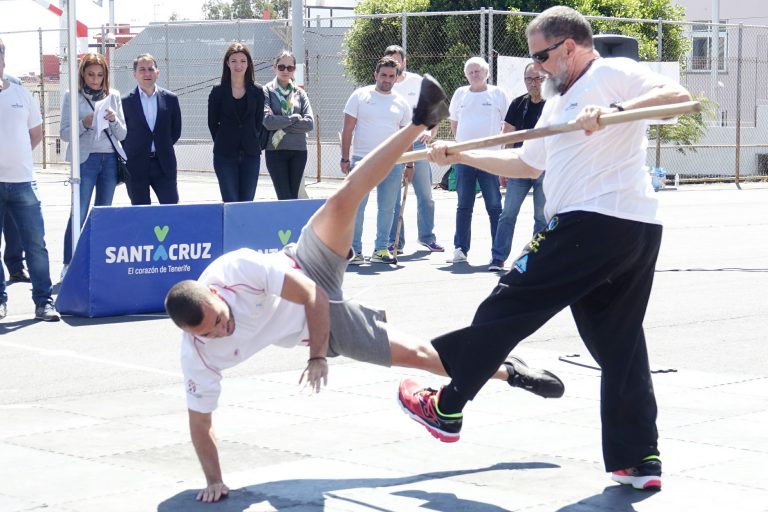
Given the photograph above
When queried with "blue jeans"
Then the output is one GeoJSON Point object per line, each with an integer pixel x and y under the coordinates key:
{"type": "Point", "coordinates": [387, 193]}
{"type": "Point", "coordinates": [22, 200]}
{"type": "Point", "coordinates": [238, 176]}
{"type": "Point", "coordinates": [466, 177]}
{"type": "Point", "coordinates": [99, 171]}
{"type": "Point", "coordinates": [517, 189]}
{"type": "Point", "coordinates": [13, 255]}
{"type": "Point", "coordinates": [425, 205]}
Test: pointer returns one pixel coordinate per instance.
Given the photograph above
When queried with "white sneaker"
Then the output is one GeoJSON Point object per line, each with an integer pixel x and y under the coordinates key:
{"type": "Point", "coordinates": [64, 271]}
{"type": "Point", "coordinates": [458, 256]}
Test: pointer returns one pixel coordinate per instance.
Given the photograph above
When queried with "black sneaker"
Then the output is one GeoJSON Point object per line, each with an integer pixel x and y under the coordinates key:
{"type": "Point", "coordinates": [3, 310]}
{"type": "Point", "coordinates": [539, 382]}
{"type": "Point", "coordinates": [644, 477]}
{"type": "Point", "coordinates": [19, 277]}
{"type": "Point", "coordinates": [421, 405]}
{"type": "Point", "coordinates": [47, 313]}
{"type": "Point", "coordinates": [432, 106]}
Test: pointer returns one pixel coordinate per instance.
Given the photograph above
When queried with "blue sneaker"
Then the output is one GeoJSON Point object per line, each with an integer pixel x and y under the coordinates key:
{"type": "Point", "coordinates": [391, 248]}
{"type": "Point", "coordinates": [433, 246]}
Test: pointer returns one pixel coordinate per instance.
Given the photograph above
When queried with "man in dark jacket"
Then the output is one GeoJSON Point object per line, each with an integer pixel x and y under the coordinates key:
{"type": "Point", "coordinates": [153, 119]}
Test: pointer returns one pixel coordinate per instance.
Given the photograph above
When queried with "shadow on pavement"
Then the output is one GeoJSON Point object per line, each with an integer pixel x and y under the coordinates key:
{"type": "Point", "coordinates": [616, 498]}
{"type": "Point", "coordinates": [309, 494]}
{"type": "Point", "coordinates": [77, 321]}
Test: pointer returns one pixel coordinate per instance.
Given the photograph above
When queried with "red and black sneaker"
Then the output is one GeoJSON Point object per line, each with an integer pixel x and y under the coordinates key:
{"type": "Point", "coordinates": [421, 405]}
{"type": "Point", "coordinates": [645, 477]}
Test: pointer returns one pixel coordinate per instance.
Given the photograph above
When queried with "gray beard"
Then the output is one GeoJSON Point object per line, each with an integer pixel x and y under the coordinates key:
{"type": "Point", "coordinates": [551, 87]}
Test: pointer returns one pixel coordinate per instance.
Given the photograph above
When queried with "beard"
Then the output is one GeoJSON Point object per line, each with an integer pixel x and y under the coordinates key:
{"type": "Point", "coordinates": [555, 84]}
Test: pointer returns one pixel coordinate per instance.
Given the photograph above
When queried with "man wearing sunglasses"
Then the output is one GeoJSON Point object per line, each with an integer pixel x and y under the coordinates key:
{"type": "Point", "coordinates": [522, 114]}
{"type": "Point", "coordinates": [597, 254]}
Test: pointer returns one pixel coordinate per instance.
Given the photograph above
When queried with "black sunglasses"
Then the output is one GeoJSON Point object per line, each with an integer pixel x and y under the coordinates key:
{"type": "Point", "coordinates": [283, 67]}
{"type": "Point", "coordinates": [543, 55]}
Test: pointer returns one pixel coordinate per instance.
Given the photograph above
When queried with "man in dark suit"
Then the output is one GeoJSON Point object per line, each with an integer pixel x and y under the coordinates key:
{"type": "Point", "coordinates": [153, 119]}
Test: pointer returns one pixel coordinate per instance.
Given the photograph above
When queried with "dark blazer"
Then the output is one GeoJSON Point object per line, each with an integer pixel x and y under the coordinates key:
{"type": "Point", "coordinates": [138, 142]}
{"type": "Point", "coordinates": [229, 133]}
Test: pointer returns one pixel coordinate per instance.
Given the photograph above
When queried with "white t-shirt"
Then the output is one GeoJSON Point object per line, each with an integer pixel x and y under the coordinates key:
{"type": "Point", "coordinates": [605, 172]}
{"type": "Point", "coordinates": [410, 89]}
{"type": "Point", "coordinates": [19, 113]}
{"type": "Point", "coordinates": [250, 283]}
{"type": "Point", "coordinates": [478, 114]}
{"type": "Point", "coordinates": [378, 116]}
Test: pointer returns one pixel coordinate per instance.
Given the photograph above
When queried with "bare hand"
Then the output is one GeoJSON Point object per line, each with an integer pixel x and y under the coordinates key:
{"type": "Point", "coordinates": [88, 121]}
{"type": "Point", "coordinates": [588, 119]}
{"type": "Point", "coordinates": [110, 115]}
{"type": "Point", "coordinates": [295, 118]}
{"type": "Point", "coordinates": [438, 153]}
{"type": "Point", "coordinates": [213, 493]}
{"type": "Point", "coordinates": [346, 167]}
{"type": "Point", "coordinates": [408, 175]}
{"type": "Point", "coordinates": [316, 374]}
{"type": "Point", "coordinates": [425, 137]}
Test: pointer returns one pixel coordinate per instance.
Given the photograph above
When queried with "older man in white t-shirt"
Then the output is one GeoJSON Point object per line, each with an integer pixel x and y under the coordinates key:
{"type": "Point", "coordinates": [20, 131]}
{"type": "Point", "coordinates": [477, 111]}
{"type": "Point", "coordinates": [372, 114]}
{"type": "Point", "coordinates": [418, 173]}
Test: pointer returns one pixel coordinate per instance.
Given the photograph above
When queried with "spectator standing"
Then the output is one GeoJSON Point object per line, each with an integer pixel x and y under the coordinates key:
{"type": "Point", "coordinates": [477, 111]}
{"type": "Point", "coordinates": [523, 113]}
{"type": "Point", "coordinates": [235, 114]}
{"type": "Point", "coordinates": [21, 130]}
{"type": "Point", "coordinates": [153, 119]}
{"type": "Point", "coordinates": [419, 173]}
{"type": "Point", "coordinates": [372, 114]}
{"type": "Point", "coordinates": [288, 117]}
{"type": "Point", "coordinates": [98, 147]}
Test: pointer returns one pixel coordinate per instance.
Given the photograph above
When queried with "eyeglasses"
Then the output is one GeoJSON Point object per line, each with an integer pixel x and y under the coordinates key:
{"type": "Point", "coordinates": [283, 67]}
{"type": "Point", "coordinates": [543, 55]}
{"type": "Point", "coordinates": [534, 79]}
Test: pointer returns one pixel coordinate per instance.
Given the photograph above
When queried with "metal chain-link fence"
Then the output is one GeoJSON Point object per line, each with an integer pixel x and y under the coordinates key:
{"type": "Point", "coordinates": [340, 54]}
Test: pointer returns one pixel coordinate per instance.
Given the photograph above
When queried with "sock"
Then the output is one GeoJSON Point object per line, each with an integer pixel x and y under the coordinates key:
{"type": "Point", "coordinates": [450, 401]}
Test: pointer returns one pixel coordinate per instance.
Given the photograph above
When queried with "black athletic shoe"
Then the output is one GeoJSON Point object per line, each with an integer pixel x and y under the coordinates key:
{"type": "Point", "coordinates": [432, 106]}
{"type": "Point", "coordinates": [538, 382]}
{"type": "Point", "coordinates": [19, 277]}
{"type": "Point", "coordinates": [644, 477]}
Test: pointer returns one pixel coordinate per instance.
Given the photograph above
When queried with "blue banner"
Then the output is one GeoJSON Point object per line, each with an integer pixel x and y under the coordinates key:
{"type": "Point", "coordinates": [127, 258]}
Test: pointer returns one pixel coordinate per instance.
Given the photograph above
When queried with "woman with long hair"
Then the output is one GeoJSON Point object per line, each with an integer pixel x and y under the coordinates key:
{"type": "Point", "coordinates": [99, 144]}
{"type": "Point", "coordinates": [235, 113]}
{"type": "Point", "coordinates": [288, 116]}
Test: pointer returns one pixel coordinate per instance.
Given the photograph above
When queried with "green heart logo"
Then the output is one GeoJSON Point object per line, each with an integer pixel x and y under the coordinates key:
{"type": "Point", "coordinates": [285, 236]}
{"type": "Point", "coordinates": [161, 233]}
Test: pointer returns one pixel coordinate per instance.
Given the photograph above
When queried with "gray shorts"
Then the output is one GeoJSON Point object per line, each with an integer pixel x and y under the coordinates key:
{"type": "Point", "coordinates": [357, 331]}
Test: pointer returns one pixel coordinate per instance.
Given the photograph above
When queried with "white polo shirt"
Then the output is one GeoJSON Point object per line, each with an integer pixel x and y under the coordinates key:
{"type": "Point", "coordinates": [605, 172]}
{"type": "Point", "coordinates": [410, 89]}
{"type": "Point", "coordinates": [19, 113]}
{"type": "Point", "coordinates": [250, 283]}
{"type": "Point", "coordinates": [478, 114]}
{"type": "Point", "coordinates": [378, 116]}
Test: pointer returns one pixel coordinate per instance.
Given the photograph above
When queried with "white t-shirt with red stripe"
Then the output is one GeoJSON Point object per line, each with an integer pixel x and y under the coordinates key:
{"type": "Point", "coordinates": [250, 283]}
{"type": "Point", "coordinates": [605, 172]}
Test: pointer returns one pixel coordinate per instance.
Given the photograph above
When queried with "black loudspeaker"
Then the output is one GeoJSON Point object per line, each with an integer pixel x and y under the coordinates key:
{"type": "Point", "coordinates": [612, 45]}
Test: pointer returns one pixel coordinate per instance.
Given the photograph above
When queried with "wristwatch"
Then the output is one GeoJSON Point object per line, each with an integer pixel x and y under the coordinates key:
{"type": "Point", "coordinates": [617, 105]}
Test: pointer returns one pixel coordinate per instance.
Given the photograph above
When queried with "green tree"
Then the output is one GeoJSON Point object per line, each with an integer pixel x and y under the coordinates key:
{"type": "Point", "coordinates": [245, 9]}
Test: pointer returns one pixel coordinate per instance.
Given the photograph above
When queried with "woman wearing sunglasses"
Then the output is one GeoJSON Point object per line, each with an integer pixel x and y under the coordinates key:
{"type": "Point", "coordinates": [288, 116]}
{"type": "Point", "coordinates": [235, 113]}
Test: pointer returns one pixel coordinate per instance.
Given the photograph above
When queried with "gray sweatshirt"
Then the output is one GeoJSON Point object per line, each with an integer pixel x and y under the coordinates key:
{"type": "Point", "coordinates": [295, 126]}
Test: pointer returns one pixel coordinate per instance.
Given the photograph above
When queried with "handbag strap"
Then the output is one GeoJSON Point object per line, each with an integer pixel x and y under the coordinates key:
{"type": "Point", "coordinates": [105, 131]}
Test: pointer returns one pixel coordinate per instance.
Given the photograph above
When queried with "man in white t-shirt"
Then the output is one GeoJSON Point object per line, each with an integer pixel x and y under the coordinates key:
{"type": "Point", "coordinates": [597, 254]}
{"type": "Point", "coordinates": [477, 111]}
{"type": "Point", "coordinates": [245, 301]}
{"type": "Point", "coordinates": [20, 131]}
{"type": "Point", "coordinates": [372, 114]}
{"type": "Point", "coordinates": [418, 173]}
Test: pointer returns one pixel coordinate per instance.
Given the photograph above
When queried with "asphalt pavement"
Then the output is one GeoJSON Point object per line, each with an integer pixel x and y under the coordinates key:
{"type": "Point", "coordinates": [93, 419]}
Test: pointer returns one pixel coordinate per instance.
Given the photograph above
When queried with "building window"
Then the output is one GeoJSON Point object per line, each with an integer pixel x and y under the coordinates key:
{"type": "Point", "coordinates": [701, 48]}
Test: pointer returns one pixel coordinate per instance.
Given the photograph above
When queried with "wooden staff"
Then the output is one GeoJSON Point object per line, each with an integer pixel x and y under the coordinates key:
{"type": "Point", "coordinates": [637, 114]}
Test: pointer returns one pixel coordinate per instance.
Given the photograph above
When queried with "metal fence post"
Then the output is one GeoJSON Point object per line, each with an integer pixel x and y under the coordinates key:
{"type": "Point", "coordinates": [660, 32]}
{"type": "Point", "coordinates": [482, 32]}
{"type": "Point", "coordinates": [738, 109]}
{"type": "Point", "coordinates": [167, 70]}
{"type": "Point", "coordinates": [404, 32]}
{"type": "Point", "coordinates": [490, 46]}
{"type": "Point", "coordinates": [42, 91]}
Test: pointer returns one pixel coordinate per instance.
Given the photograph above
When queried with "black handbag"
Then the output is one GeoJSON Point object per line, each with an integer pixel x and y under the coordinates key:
{"type": "Point", "coordinates": [122, 164]}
